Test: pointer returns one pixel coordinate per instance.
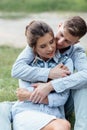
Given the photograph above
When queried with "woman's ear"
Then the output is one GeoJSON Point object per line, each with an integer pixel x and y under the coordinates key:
{"type": "Point", "coordinates": [55, 40]}
{"type": "Point", "coordinates": [34, 50]}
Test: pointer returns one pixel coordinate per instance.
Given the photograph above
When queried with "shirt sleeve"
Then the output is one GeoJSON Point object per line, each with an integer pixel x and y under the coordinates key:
{"type": "Point", "coordinates": [69, 64]}
{"type": "Point", "coordinates": [22, 70]}
{"type": "Point", "coordinates": [25, 84]}
{"type": "Point", "coordinates": [54, 99]}
{"type": "Point", "coordinates": [58, 99]}
{"type": "Point", "coordinates": [78, 79]}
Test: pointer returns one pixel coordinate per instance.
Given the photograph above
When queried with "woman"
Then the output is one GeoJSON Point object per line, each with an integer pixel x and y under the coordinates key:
{"type": "Point", "coordinates": [37, 116]}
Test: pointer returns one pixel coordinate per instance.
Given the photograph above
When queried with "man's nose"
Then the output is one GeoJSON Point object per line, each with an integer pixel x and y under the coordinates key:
{"type": "Point", "coordinates": [60, 41]}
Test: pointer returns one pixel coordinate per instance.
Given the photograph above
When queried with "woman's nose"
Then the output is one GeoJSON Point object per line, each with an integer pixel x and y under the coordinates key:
{"type": "Point", "coordinates": [50, 48]}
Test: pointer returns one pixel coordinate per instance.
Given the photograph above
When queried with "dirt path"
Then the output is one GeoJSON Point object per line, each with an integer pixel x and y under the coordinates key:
{"type": "Point", "coordinates": [12, 31]}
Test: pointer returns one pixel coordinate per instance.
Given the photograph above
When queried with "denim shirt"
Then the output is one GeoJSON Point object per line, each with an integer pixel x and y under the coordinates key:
{"type": "Point", "coordinates": [78, 79]}
{"type": "Point", "coordinates": [22, 70]}
{"type": "Point", "coordinates": [56, 100]}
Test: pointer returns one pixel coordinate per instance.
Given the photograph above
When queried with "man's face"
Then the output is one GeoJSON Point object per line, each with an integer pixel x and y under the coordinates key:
{"type": "Point", "coordinates": [64, 39]}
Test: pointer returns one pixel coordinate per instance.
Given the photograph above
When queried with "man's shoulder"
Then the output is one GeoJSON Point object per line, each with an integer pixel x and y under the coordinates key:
{"type": "Point", "coordinates": [75, 49]}
{"type": "Point", "coordinates": [78, 46]}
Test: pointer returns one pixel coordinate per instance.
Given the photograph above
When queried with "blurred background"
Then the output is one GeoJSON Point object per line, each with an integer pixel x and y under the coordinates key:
{"type": "Point", "coordinates": [16, 14]}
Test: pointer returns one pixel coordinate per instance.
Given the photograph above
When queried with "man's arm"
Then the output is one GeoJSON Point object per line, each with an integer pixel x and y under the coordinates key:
{"type": "Point", "coordinates": [73, 81]}
{"type": "Point", "coordinates": [22, 70]}
{"type": "Point", "coordinates": [57, 99]}
{"type": "Point", "coordinates": [79, 78]}
{"type": "Point", "coordinates": [53, 99]}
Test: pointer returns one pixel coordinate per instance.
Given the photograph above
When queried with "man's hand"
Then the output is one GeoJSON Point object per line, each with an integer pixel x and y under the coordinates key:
{"type": "Point", "coordinates": [40, 92]}
{"type": "Point", "coordinates": [23, 94]}
{"type": "Point", "coordinates": [59, 71]}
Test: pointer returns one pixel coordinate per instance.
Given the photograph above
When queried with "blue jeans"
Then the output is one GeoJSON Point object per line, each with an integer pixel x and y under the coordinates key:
{"type": "Point", "coordinates": [69, 106]}
{"type": "Point", "coordinates": [78, 102]}
{"type": "Point", "coordinates": [5, 115]}
{"type": "Point", "coordinates": [80, 106]}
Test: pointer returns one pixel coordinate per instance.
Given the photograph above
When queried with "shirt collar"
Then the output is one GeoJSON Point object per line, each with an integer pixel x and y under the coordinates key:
{"type": "Point", "coordinates": [68, 51]}
{"type": "Point", "coordinates": [55, 58]}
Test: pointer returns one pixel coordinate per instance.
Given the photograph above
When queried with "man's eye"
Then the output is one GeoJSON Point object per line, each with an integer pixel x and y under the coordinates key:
{"type": "Point", "coordinates": [68, 42]}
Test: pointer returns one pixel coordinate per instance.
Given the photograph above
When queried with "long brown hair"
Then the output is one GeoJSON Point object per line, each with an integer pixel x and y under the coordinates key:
{"type": "Point", "coordinates": [35, 30]}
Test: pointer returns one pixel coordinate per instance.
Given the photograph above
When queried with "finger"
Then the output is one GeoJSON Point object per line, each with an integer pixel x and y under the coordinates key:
{"type": "Point", "coordinates": [67, 73]}
{"type": "Point", "coordinates": [65, 67]}
{"type": "Point", "coordinates": [41, 99]}
{"type": "Point", "coordinates": [60, 65]}
{"type": "Point", "coordinates": [34, 85]}
{"type": "Point", "coordinates": [36, 98]}
{"type": "Point", "coordinates": [32, 95]}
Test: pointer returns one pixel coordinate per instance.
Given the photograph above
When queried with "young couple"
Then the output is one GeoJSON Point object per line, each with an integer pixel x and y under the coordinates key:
{"type": "Point", "coordinates": [57, 81]}
{"type": "Point", "coordinates": [40, 64]}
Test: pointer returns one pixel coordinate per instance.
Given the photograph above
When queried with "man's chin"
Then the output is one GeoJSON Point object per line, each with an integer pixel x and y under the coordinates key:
{"type": "Point", "coordinates": [63, 49]}
{"type": "Point", "coordinates": [58, 47]}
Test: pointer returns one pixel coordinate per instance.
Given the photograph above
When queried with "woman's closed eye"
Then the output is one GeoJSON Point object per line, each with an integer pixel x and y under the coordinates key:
{"type": "Point", "coordinates": [51, 41]}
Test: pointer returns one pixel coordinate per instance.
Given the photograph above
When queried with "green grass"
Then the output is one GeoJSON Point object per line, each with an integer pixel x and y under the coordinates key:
{"type": "Point", "coordinates": [42, 5]}
{"type": "Point", "coordinates": [8, 84]}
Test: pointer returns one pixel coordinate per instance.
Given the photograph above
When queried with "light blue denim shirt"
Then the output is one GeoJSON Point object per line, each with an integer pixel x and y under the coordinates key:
{"type": "Point", "coordinates": [56, 100]}
{"type": "Point", "coordinates": [22, 70]}
{"type": "Point", "coordinates": [78, 79]}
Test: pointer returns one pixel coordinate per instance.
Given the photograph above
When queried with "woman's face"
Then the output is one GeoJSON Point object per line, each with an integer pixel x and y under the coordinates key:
{"type": "Point", "coordinates": [46, 47]}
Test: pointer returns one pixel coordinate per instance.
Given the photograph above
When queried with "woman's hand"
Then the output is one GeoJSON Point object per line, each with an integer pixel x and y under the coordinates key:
{"type": "Point", "coordinates": [23, 94]}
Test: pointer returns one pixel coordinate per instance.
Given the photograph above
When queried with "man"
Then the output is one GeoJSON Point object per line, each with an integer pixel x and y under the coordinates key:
{"type": "Point", "coordinates": [69, 34]}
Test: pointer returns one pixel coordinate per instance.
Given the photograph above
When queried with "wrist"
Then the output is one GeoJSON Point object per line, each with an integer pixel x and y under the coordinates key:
{"type": "Point", "coordinates": [45, 101]}
{"type": "Point", "coordinates": [50, 76]}
{"type": "Point", "coordinates": [50, 87]}
{"type": "Point", "coordinates": [28, 96]}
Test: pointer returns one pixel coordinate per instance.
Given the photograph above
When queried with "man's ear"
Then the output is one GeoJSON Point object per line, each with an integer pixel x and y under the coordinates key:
{"type": "Point", "coordinates": [77, 42]}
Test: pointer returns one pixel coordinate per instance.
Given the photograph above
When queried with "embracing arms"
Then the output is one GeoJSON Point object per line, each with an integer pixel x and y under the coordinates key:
{"type": "Point", "coordinates": [21, 69]}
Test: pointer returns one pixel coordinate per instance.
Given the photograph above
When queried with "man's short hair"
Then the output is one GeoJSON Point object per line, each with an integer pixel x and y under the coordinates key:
{"type": "Point", "coordinates": [76, 26]}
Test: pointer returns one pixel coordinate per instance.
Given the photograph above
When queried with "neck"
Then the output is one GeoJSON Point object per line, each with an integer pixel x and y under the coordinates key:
{"type": "Point", "coordinates": [64, 49]}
